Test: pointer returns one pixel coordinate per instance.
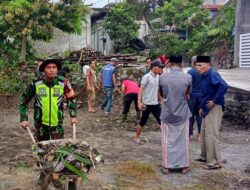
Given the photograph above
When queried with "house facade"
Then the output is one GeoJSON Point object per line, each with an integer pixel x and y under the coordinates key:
{"type": "Point", "coordinates": [214, 6]}
{"type": "Point", "coordinates": [100, 40]}
{"type": "Point", "coordinates": [242, 34]}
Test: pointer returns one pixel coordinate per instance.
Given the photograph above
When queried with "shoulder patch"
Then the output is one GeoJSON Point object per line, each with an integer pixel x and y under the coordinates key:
{"type": "Point", "coordinates": [61, 78]}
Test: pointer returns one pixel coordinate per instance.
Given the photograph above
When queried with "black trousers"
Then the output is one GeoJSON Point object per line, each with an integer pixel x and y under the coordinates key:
{"type": "Point", "coordinates": [155, 110]}
{"type": "Point", "coordinates": [193, 103]}
{"type": "Point", "coordinates": [127, 100]}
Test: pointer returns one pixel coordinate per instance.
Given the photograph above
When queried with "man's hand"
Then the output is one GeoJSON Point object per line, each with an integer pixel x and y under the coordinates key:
{"type": "Point", "coordinates": [117, 90]}
{"type": "Point", "coordinates": [200, 112]}
{"type": "Point", "coordinates": [73, 120]}
{"type": "Point", "coordinates": [24, 124]}
{"type": "Point", "coordinates": [140, 105]}
{"type": "Point", "coordinates": [210, 104]}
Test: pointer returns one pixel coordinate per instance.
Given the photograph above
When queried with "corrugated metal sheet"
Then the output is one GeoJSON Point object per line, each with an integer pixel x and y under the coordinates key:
{"type": "Point", "coordinates": [245, 50]}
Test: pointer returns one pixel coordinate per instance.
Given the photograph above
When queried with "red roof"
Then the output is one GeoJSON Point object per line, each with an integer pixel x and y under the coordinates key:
{"type": "Point", "coordinates": [212, 7]}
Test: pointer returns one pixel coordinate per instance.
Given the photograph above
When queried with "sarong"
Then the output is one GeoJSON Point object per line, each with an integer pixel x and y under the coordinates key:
{"type": "Point", "coordinates": [175, 145]}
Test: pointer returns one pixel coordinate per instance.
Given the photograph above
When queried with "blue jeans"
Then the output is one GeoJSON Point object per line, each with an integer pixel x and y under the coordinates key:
{"type": "Point", "coordinates": [108, 99]}
{"type": "Point", "coordinates": [193, 103]}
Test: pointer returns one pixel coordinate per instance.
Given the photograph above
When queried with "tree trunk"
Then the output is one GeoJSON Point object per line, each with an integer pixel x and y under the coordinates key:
{"type": "Point", "coordinates": [24, 48]}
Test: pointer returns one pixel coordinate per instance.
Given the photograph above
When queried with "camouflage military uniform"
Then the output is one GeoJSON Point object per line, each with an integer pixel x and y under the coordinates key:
{"type": "Point", "coordinates": [48, 106]}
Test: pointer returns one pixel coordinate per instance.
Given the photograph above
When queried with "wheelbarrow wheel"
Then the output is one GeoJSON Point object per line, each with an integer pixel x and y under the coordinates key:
{"type": "Point", "coordinates": [44, 181]}
{"type": "Point", "coordinates": [72, 186]}
{"type": "Point", "coordinates": [76, 184]}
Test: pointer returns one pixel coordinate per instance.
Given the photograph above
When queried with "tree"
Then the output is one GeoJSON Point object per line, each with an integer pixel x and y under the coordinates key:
{"type": "Point", "coordinates": [121, 26]}
{"type": "Point", "coordinates": [221, 31]}
{"type": "Point", "coordinates": [183, 16]}
{"type": "Point", "coordinates": [145, 9]}
{"type": "Point", "coordinates": [36, 19]}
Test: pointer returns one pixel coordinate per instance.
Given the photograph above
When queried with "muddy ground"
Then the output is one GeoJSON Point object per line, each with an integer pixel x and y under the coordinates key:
{"type": "Point", "coordinates": [127, 166]}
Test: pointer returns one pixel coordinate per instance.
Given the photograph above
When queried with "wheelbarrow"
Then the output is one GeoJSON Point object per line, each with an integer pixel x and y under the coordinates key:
{"type": "Point", "coordinates": [50, 181]}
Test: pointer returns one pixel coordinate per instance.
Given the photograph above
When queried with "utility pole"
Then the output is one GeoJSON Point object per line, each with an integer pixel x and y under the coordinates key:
{"type": "Point", "coordinates": [238, 32]}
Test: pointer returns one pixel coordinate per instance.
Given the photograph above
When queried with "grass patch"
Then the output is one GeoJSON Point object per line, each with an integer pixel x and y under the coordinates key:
{"type": "Point", "coordinates": [22, 168]}
{"type": "Point", "coordinates": [222, 180]}
{"type": "Point", "coordinates": [134, 175]}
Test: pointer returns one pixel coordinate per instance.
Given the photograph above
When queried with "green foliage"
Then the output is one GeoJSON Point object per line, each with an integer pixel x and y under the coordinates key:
{"type": "Point", "coordinates": [203, 34]}
{"type": "Point", "coordinates": [25, 19]}
{"type": "Point", "coordinates": [168, 44]}
{"type": "Point", "coordinates": [179, 13]}
{"type": "Point", "coordinates": [181, 16]}
{"type": "Point", "coordinates": [128, 50]}
{"type": "Point", "coordinates": [120, 25]}
{"type": "Point", "coordinates": [66, 151]}
{"type": "Point", "coordinates": [9, 54]}
{"type": "Point", "coordinates": [37, 19]}
{"type": "Point", "coordinates": [31, 19]}
{"type": "Point", "coordinates": [222, 30]}
{"type": "Point", "coordinates": [68, 15]}
{"type": "Point", "coordinates": [10, 82]}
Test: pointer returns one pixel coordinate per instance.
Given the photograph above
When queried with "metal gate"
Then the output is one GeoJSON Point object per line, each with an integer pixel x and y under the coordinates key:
{"type": "Point", "coordinates": [245, 50]}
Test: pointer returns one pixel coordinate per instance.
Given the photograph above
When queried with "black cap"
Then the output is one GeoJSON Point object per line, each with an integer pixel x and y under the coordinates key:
{"type": "Point", "coordinates": [58, 63]}
{"type": "Point", "coordinates": [156, 63]}
{"type": "Point", "coordinates": [175, 59]}
{"type": "Point", "coordinates": [203, 59]}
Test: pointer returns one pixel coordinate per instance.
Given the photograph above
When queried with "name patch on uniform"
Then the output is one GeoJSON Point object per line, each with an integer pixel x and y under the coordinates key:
{"type": "Point", "coordinates": [56, 92]}
{"type": "Point", "coordinates": [42, 91]}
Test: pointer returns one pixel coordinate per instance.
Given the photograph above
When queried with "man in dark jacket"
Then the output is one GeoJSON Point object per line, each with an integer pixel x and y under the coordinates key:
{"type": "Point", "coordinates": [212, 105]}
{"type": "Point", "coordinates": [194, 99]}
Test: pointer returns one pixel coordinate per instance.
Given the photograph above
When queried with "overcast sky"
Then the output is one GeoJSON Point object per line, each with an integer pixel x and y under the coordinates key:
{"type": "Point", "coordinates": [99, 3]}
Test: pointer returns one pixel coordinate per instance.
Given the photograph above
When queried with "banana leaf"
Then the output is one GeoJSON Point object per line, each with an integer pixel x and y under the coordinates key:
{"type": "Point", "coordinates": [77, 157]}
{"type": "Point", "coordinates": [75, 170]}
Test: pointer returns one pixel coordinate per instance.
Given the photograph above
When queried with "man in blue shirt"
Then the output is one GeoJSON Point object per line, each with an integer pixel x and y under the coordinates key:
{"type": "Point", "coordinates": [194, 99]}
{"type": "Point", "coordinates": [109, 84]}
{"type": "Point", "coordinates": [212, 107]}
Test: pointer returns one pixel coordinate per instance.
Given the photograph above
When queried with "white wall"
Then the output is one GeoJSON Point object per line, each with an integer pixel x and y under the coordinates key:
{"type": "Point", "coordinates": [63, 41]}
{"type": "Point", "coordinates": [144, 29]}
{"type": "Point", "coordinates": [98, 33]}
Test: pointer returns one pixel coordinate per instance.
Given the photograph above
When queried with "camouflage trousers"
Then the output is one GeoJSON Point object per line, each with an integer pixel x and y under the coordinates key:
{"type": "Point", "coordinates": [44, 132]}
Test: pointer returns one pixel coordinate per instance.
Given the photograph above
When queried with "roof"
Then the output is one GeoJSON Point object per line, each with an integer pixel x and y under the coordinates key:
{"type": "Point", "coordinates": [213, 7]}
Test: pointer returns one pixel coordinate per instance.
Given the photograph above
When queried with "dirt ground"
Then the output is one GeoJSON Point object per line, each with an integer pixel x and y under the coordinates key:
{"type": "Point", "coordinates": [127, 166]}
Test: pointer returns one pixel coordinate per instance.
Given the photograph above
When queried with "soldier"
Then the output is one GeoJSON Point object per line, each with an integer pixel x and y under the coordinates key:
{"type": "Point", "coordinates": [49, 93]}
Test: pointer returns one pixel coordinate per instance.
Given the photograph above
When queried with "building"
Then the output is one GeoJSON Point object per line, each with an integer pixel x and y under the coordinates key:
{"type": "Point", "coordinates": [214, 6]}
{"type": "Point", "coordinates": [242, 34]}
{"type": "Point", "coordinates": [100, 40]}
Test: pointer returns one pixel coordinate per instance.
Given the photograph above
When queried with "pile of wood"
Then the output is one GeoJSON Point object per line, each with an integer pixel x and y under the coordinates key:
{"type": "Point", "coordinates": [84, 55]}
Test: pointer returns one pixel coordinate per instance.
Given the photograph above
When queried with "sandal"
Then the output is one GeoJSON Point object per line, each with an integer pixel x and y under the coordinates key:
{"type": "Point", "coordinates": [212, 167]}
{"type": "Point", "coordinates": [165, 171]}
{"type": "Point", "coordinates": [137, 140]}
{"type": "Point", "coordinates": [200, 160]}
{"type": "Point", "coordinates": [185, 170]}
